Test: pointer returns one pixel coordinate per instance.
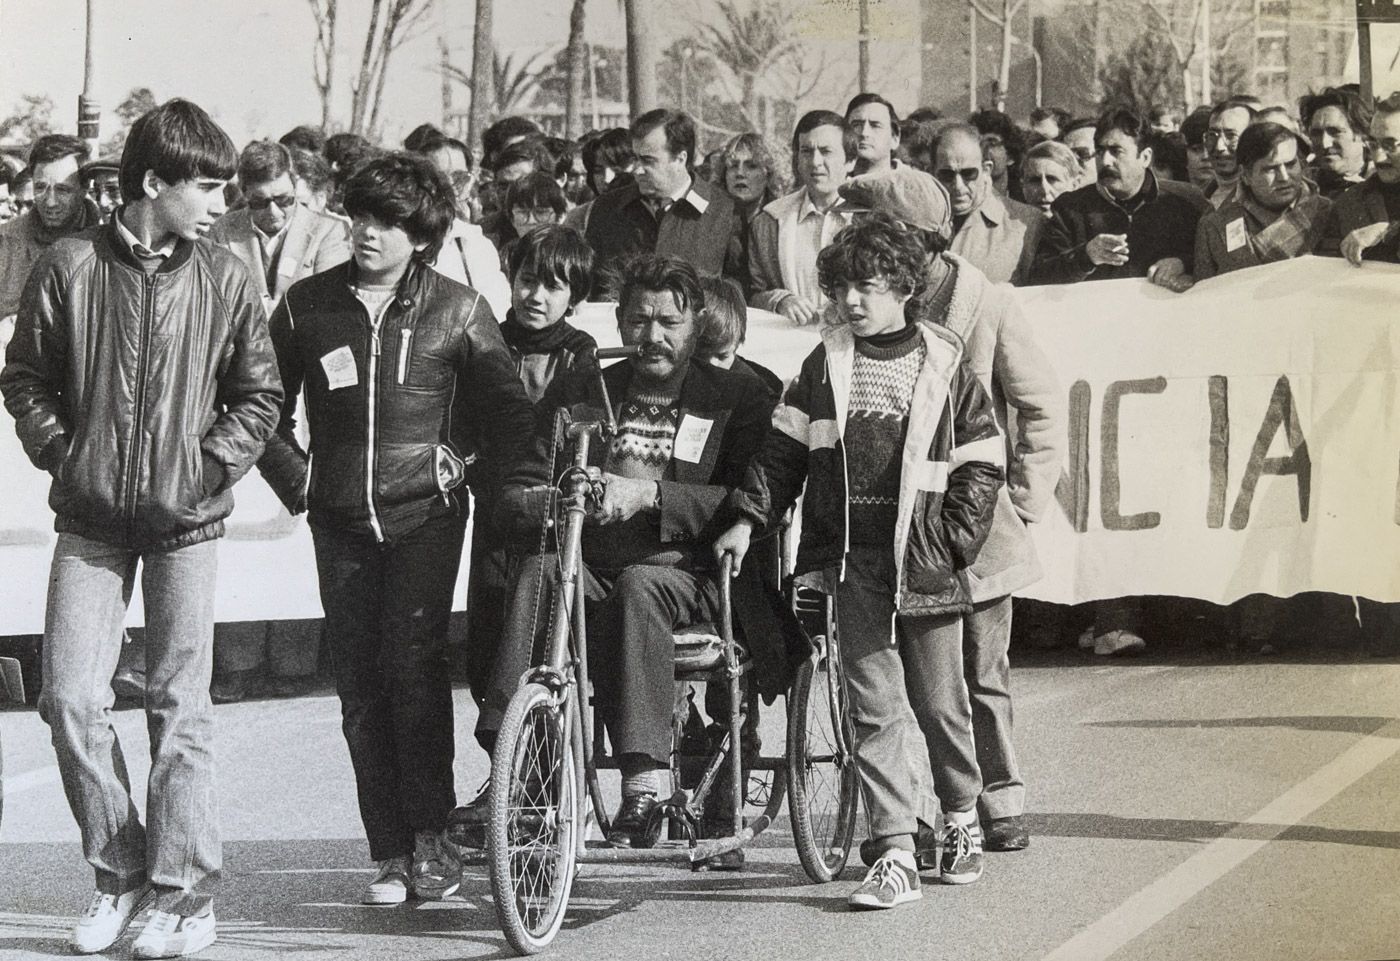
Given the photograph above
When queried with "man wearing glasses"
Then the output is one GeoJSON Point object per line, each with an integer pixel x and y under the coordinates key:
{"type": "Point", "coordinates": [996, 234]}
{"type": "Point", "coordinates": [1367, 216]}
{"type": "Point", "coordinates": [1227, 121]}
{"type": "Point", "coordinates": [279, 240]}
{"type": "Point", "coordinates": [60, 210]}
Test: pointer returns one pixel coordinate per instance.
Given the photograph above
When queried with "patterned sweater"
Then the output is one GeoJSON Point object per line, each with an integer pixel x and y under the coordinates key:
{"type": "Point", "coordinates": [882, 385]}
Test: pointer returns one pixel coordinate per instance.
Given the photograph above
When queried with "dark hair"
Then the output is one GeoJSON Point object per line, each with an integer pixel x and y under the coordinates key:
{"type": "Point", "coordinates": [813, 119]}
{"type": "Point", "coordinates": [680, 131]}
{"type": "Point", "coordinates": [23, 175]}
{"type": "Point", "coordinates": [1357, 111]}
{"type": "Point", "coordinates": [56, 146]}
{"type": "Point", "coordinates": [1194, 127]}
{"type": "Point", "coordinates": [611, 148]}
{"type": "Point", "coordinates": [346, 151]}
{"type": "Point", "coordinates": [1125, 121]}
{"type": "Point", "coordinates": [1169, 151]}
{"type": "Point", "coordinates": [924, 115]}
{"type": "Point", "coordinates": [564, 166]}
{"type": "Point", "coordinates": [1078, 123]}
{"type": "Point", "coordinates": [311, 167]}
{"type": "Point", "coordinates": [1234, 104]}
{"type": "Point", "coordinates": [405, 190]}
{"type": "Point", "coordinates": [725, 319]}
{"type": "Point", "coordinates": [861, 99]}
{"type": "Point", "coordinates": [177, 141]}
{"type": "Point", "coordinates": [262, 161]}
{"type": "Point", "coordinates": [536, 189]}
{"type": "Point", "coordinates": [519, 152]}
{"type": "Point", "coordinates": [1046, 113]}
{"type": "Point", "coordinates": [998, 123]}
{"type": "Point", "coordinates": [656, 273]}
{"type": "Point", "coordinates": [420, 136]}
{"type": "Point", "coordinates": [1161, 112]}
{"type": "Point", "coordinates": [877, 245]}
{"type": "Point", "coordinates": [1259, 140]}
{"type": "Point", "coordinates": [494, 137]}
{"type": "Point", "coordinates": [1389, 105]}
{"type": "Point", "coordinates": [555, 253]}
{"type": "Point", "coordinates": [554, 148]}
{"type": "Point", "coordinates": [304, 137]}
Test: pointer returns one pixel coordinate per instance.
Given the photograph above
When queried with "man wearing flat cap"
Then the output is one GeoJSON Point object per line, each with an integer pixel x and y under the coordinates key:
{"type": "Point", "coordinates": [1001, 348]}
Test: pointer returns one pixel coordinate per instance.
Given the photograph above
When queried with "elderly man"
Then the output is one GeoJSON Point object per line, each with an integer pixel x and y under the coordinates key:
{"type": "Point", "coordinates": [998, 235]}
{"type": "Point", "coordinates": [1128, 224]}
{"type": "Point", "coordinates": [279, 240]}
{"type": "Point", "coordinates": [667, 210]}
{"type": "Point", "coordinates": [1002, 351]}
{"type": "Point", "coordinates": [61, 209]}
{"type": "Point", "coordinates": [1337, 123]}
{"type": "Point", "coordinates": [876, 127]}
{"type": "Point", "coordinates": [1228, 121]}
{"type": "Point", "coordinates": [1278, 213]}
{"type": "Point", "coordinates": [788, 233]}
{"type": "Point", "coordinates": [1366, 217]}
{"type": "Point", "coordinates": [687, 431]}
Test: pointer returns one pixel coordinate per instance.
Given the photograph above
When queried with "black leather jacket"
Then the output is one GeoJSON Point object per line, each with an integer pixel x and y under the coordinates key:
{"type": "Point", "coordinates": [146, 396]}
{"type": "Point", "coordinates": [396, 411]}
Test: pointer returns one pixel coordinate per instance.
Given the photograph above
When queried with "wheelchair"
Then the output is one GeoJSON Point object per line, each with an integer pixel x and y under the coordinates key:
{"type": "Point", "coordinates": [544, 772]}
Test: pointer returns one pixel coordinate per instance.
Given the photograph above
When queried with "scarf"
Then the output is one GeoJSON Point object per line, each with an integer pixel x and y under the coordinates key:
{"type": "Point", "coordinates": [527, 340]}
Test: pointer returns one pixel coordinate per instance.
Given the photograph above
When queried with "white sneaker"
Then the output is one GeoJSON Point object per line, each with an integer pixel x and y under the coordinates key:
{"type": "Point", "coordinates": [390, 885]}
{"type": "Point", "coordinates": [106, 919]}
{"type": "Point", "coordinates": [437, 867]}
{"type": "Point", "coordinates": [169, 935]}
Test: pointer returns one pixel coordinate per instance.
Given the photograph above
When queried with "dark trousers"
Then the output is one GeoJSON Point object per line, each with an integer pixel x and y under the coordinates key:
{"type": "Point", "coordinates": [631, 615]}
{"type": "Point", "coordinates": [386, 627]}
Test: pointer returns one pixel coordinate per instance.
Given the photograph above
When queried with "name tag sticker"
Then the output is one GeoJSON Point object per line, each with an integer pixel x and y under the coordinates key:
{"type": "Point", "coordinates": [340, 370]}
{"type": "Point", "coordinates": [691, 437]}
{"type": "Point", "coordinates": [1236, 236]}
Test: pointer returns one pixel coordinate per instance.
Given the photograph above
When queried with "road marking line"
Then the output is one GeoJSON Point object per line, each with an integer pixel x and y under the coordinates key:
{"type": "Point", "coordinates": [1104, 937]}
{"type": "Point", "coordinates": [19, 783]}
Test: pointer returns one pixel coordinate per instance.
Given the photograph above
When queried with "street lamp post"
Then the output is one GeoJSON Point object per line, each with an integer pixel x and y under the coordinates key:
{"type": "Point", "coordinates": [89, 111]}
{"type": "Point", "coordinates": [593, 66]}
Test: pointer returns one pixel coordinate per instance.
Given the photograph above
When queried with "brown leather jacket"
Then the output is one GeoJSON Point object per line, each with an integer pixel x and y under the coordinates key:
{"type": "Point", "coordinates": [146, 396]}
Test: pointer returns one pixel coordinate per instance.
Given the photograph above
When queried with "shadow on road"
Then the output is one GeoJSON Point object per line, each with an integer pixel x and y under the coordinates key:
{"type": "Point", "coordinates": [1338, 724]}
{"type": "Point", "coordinates": [1110, 827]}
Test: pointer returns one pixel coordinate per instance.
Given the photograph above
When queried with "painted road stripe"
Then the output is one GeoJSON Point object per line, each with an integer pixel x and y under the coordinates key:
{"type": "Point", "coordinates": [1104, 937]}
{"type": "Point", "coordinates": [19, 783]}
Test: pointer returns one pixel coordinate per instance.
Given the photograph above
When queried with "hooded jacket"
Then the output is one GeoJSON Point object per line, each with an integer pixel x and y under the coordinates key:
{"type": "Point", "coordinates": [147, 396]}
{"type": "Point", "coordinates": [950, 475]}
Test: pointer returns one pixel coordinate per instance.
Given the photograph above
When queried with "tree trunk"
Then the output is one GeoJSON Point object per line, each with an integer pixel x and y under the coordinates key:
{"type": "Point", "coordinates": [578, 63]}
{"type": "Point", "coordinates": [1007, 37]}
{"type": "Point", "coordinates": [361, 89]}
{"type": "Point", "coordinates": [483, 78]}
{"type": "Point", "coordinates": [643, 54]}
{"type": "Point", "coordinates": [323, 58]}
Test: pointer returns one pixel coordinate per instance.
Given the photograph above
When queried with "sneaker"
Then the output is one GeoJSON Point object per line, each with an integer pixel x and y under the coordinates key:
{"type": "Point", "coordinates": [437, 867]}
{"type": "Point", "coordinates": [893, 880]}
{"type": "Point", "coordinates": [169, 935]}
{"type": "Point", "coordinates": [961, 862]}
{"type": "Point", "coordinates": [925, 848]}
{"type": "Point", "coordinates": [1006, 834]}
{"type": "Point", "coordinates": [106, 919]}
{"type": "Point", "coordinates": [390, 884]}
{"type": "Point", "coordinates": [466, 825]}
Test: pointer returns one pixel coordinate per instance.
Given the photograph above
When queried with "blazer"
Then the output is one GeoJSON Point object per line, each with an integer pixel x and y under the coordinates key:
{"type": "Point", "coordinates": [1360, 206]}
{"type": "Point", "coordinates": [1000, 238]}
{"type": "Point", "coordinates": [314, 242]}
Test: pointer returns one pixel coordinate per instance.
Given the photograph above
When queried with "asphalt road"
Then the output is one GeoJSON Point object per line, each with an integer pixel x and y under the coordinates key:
{"type": "Point", "coordinates": [1191, 808]}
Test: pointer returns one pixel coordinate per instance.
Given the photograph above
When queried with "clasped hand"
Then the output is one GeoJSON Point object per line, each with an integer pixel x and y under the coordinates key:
{"type": "Point", "coordinates": [624, 498]}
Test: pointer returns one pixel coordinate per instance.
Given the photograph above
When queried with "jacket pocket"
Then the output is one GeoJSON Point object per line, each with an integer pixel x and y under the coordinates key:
{"type": "Point", "coordinates": [407, 472]}
{"type": "Point", "coordinates": [928, 563]}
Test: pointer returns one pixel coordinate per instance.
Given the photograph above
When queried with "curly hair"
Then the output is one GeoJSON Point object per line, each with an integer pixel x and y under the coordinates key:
{"type": "Point", "coordinates": [752, 144]}
{"type": "Point", "coordinates": [405, 190]}
{"type": "Point", "coordinates": [876, 246]}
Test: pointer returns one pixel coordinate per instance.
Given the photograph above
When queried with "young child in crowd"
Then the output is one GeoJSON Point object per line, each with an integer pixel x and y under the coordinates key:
{"type": "Point", "coordinates": [724, 324]}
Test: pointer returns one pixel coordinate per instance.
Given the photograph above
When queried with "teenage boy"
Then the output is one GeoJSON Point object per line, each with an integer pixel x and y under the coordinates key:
{"type": "Point", "coordinates": [403, 370]}
{"type": "Point", "coordinates": [142, 378]}
{"type": "Point", "coordinates": [897, 445]}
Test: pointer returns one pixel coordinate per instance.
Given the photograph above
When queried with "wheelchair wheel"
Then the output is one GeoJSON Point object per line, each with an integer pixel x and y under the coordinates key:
{"type": "Point", "coordinates": [822, 785]}
{"type": "Point", "coordinates": [530, 848]}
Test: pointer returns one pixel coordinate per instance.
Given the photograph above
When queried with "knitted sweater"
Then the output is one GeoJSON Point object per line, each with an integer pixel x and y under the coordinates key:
{"type": "Point", "coordinates": [882, 386]}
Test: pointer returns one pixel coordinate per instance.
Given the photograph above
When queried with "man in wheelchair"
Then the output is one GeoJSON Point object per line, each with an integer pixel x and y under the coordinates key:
{"type": "Point", "coordinates": [686, 432]}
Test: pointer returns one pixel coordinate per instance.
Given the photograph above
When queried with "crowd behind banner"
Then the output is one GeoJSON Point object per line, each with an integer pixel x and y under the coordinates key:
{"type": "Point", "coordinates": [385, 333]}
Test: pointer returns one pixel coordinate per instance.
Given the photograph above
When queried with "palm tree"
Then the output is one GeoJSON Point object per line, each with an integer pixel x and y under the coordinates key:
{"type": "Point", "coordinates": [482, 75]}
{"type": "Point", "coordinates": [578, 66]}
{"type": "Point", "coordinates": [643, 54]}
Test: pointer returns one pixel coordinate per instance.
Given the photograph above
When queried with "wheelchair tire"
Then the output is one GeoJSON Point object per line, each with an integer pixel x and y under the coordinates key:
{"type": "Point", "coordinates": [534, 817]}
{"type": "Point", "coordinates": [822, 782]}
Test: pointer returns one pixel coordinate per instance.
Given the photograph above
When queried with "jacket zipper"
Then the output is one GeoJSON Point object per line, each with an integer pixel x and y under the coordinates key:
{"type": "Point", "coordinates": [405, 339]}
{"type": "Point", "coordinates": [139, 405]}
{"type": "Point", "coordinates": [372, 396]}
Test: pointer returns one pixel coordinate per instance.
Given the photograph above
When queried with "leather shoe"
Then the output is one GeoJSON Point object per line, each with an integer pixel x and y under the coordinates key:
{"type": "Point", "coordinates": [635, 826]}
{"type": "Point", "coordinates": [1005, 834]}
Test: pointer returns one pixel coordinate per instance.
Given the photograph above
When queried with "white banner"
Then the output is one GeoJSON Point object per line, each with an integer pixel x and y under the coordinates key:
{"type": "Point", "coordinates": [1243, 437]}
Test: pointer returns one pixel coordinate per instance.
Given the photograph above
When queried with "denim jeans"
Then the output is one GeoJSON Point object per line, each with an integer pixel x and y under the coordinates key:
{"type": "Point", "coordinates": [387, 606]}
{"type": "Point", "coordinates": [178, 849]}
{"type": "Point", "coordinates": [986, 641]}
{"type": "Point", "coordinates": [904, 678]}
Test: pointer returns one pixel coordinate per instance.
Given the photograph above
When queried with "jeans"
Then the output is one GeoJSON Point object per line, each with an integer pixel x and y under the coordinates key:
{"type": "Point", "coordinates": [387, 606]}
{"type": "Point", "coordinates": [986, 639]}
{"type": "Point", "coordinates": [178, 850]}
{"type": "Point", "coordinates": [904, 677]}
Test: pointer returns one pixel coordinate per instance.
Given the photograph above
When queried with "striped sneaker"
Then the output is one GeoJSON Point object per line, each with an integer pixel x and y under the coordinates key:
{"type": "Point", "coordinates": [893, 880]}
{"type": "Point", "coordinates": [961, 862]}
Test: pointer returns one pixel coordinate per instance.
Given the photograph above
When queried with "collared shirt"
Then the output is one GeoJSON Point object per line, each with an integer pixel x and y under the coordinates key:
{"type": "Point", "coordinates": [815, 230]}
{"type": "Point", "coordinates": [145, 254]}
{"type": "Point", "coordinates": [1000, 238]}
{"type": "Point", "coordinates": [689, 195]}
{"type": "Point", "coordinates": [271, 248]}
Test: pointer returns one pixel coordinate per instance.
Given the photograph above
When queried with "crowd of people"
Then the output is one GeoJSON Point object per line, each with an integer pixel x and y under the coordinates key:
{"type": "Point", "coordinates": [381, 331]}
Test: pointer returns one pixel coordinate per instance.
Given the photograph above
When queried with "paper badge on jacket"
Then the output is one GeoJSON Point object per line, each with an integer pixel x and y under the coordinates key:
{"type": "Point", "coordinates": [690, 438]}
{"type": "Point", "coordinates": [1236, 235]}
{"type": "Point", "coordinates": [340, 369]}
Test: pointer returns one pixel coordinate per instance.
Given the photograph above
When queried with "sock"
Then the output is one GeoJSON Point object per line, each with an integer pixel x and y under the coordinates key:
{"type": "Point", "coordinates": [638, 774]}
{"type": "Point", "coordinates": [961, 818]}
